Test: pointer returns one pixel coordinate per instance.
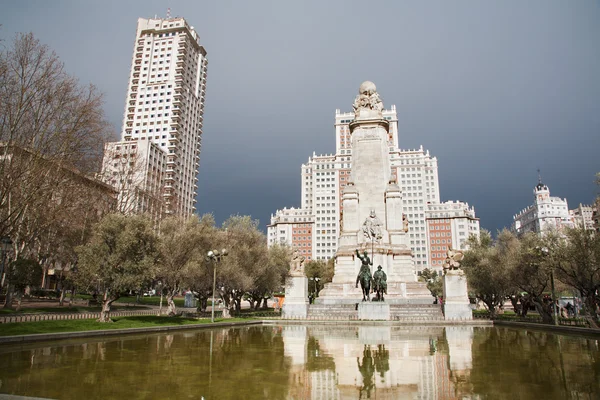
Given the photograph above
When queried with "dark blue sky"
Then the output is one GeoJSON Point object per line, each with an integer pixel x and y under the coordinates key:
{"type": "Point", "coordinates": [495, 90]}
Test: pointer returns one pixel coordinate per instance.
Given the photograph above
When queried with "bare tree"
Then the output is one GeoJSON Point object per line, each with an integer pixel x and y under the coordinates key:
{"type": "Point", "coordinates": [50, 129]}
{"type": "Point", "coordinates": [47, 120]}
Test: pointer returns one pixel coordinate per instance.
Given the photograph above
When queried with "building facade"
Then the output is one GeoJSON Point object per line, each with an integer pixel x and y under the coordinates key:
{"type": "Point", "coordinates": [323, 178]}
{"type": "Point", "coordinates": [546, 214]}
{"type": "Point", "coordinates": [165, 104]}
{"type": "Point", "coordinates": [449, 225]}
{"type": "Point", "coordinates": [292, 227]}
{"type": "Point", "coordinates": [136, 169]}
{"type": "Point", "coordinates": [582, 217]}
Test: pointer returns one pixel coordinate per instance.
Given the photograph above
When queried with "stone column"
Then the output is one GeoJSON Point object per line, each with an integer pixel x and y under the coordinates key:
{"type": "Point", "coordinates": [295, 304]}
{"type": "Point", "coordinates": [456, 298]}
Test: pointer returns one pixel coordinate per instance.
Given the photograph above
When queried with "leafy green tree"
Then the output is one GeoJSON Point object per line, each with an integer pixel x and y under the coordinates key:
{"type": "Point", "coordinates": [434, 282]}
{"type": "Point", "coordinates": [23, 273]}
{"type": "Point", "coordinates": [320, 272]}
{"type": "Point", "coordinates": [487, 266]}
{"type": "Point", "coordinates": [241, 271]}
{"type": "Point", "coordinates": [272, 277]}
{"type": "Point", "coordinates": [121, 254]}
{"type": "Point", "coordinates": [184, 242]}
{"type": "Point", "coordinates": [532, 272]}
{"type": "Point", "coordinates": [576, 261]}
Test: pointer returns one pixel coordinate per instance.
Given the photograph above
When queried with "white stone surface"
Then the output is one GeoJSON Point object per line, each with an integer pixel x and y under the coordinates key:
{"type": "Point", "coordinates": [456, 299]}
{"type": "Point", "coordinates": [373, 311]}
{"type": "Point", "coordinates": [295, 304]}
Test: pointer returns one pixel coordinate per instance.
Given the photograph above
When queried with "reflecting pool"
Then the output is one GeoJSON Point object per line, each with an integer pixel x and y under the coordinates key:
{"type": "Point", "coordinates": [309, 362]}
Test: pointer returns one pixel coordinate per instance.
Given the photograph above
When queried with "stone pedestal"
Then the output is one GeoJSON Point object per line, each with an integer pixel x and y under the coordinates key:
{"type": "Point", "coordinates": [296, 297]}
{"type": "Point", "coordinates": [376, 311]}
{"type": "Point", "coordinates": [456, 299]}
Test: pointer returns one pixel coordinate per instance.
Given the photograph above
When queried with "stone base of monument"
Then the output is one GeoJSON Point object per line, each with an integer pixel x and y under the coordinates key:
{"type": "Point", "coordinates": [296, 297]}
{"type": "Point", "coordinates": [376, 311]}
{"type": "Point", "coordinates": [402, 284]}
{"type": "Point", "coordinates": [456, 299]}
{"type": "Point", "coordinates": [397, 293]}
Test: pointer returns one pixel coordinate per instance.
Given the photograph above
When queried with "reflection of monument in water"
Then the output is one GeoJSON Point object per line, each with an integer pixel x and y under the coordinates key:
{"type": "Point", "coordinates": [372, 218]}
{"type": "Point", "coordinates": [378, 362]}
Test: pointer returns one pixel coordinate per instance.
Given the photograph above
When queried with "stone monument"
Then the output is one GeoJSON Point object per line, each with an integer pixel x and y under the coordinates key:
{"type": "Point", "coordinates": [372, 218]}
{"type": "Point", "coordinates": [456, 298]}
{"type": "Point", "coordinates": [296, 289]}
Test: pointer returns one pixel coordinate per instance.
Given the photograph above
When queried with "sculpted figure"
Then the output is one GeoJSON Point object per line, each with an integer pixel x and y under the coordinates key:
{"type": "Point", "coordinates": [379, 283]}
{"type": "Point", "coordinates": [297, 264]}
{"type": "Point", "coordinates": [372, 227]}
{"type": "Point", "coordinates": [453, 259]}
{"type": "Point", "coordinates": [405, 222]}
{"type": "Point", "coordinates": [364, 275]}
{"type": "Point", "coordinates": [367, 98]}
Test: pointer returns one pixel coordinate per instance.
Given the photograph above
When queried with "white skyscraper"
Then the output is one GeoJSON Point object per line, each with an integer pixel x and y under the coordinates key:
{"type": "Point", "coordinates": [165, 104]}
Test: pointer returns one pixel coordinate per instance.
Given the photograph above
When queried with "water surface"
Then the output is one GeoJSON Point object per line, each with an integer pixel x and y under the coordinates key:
{"type": "Point", "coordinates": [309, 362]}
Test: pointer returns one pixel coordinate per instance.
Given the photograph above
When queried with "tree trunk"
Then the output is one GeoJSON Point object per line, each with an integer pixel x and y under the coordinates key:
{"type": "Point", "coordinates": [9, 296]}
{"type": "Point", "coordinates": [61, 300]}
{"type": "Point", "coordinates": [544, 311]}
{"type": "Point", "coordinates": [105, 312]}
{"type": "Point", "coordinates": [19, 299]}
{"type": "Point", "coordinates": [160, 306]}
{"type": "Point", "coordinates": [590, 308]}
{"type": "Point", "coordinates": [203, 304]}
{"type": "Point", "coordinates": [489, 302]}
{"type": "Point", "coordinates": [171, 309]}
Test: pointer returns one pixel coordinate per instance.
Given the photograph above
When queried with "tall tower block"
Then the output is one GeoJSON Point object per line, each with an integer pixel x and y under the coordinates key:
{"type": "Point", "coordinates": [165, 103]}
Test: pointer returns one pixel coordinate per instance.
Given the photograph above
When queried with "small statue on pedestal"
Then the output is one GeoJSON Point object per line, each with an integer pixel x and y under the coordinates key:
{"type": "Point", "coordinates": [452, 262]}
{"type": "Point", "coordinates": [379, 284]}
{"type": "Point", "coordinates": [297, 264]}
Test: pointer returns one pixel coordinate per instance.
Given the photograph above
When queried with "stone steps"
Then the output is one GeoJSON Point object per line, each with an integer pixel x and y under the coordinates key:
{"type": "Point", "coordinates": [398, 312]}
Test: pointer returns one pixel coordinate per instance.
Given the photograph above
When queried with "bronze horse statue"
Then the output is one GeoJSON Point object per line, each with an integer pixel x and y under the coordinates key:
{"type": "Point", "coordinates": [364, 276]}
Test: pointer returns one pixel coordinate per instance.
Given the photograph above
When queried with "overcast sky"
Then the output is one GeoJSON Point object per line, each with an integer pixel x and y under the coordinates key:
{"type": "Point", "coordinates": [494, 90]}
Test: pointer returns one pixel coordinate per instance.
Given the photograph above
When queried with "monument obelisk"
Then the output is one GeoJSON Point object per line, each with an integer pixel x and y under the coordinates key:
{"type": "Point", "coordinates": [372, 218]}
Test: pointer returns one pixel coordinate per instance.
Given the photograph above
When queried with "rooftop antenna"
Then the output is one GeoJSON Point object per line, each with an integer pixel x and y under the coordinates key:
{"type": "Point", "coordinates": [539, 176]}
{"type": "Point", "coordinates": [169, 13]}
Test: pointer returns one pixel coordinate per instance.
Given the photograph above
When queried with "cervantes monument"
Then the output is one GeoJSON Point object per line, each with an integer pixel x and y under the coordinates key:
{"type": "Point", "coordinates": [372, 219]}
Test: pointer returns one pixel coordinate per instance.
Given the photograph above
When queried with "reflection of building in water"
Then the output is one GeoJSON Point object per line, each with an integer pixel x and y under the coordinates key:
{"type": "Point", "coordinates": [355, 362]}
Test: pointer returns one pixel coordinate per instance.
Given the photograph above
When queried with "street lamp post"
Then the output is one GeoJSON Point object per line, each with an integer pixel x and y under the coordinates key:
{"type": "Point", "coordinates": [215, 256]}
{"type": "Point", "coordinates": [545, 252]}
{"type": "Point", "coordinates": [316, 280]}
{"type": "Point", "coordinates": [5, 247]}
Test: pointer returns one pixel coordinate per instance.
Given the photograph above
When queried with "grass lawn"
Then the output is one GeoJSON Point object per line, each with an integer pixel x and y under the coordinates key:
{"type": "Point", "coordinates": [147, 321]}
